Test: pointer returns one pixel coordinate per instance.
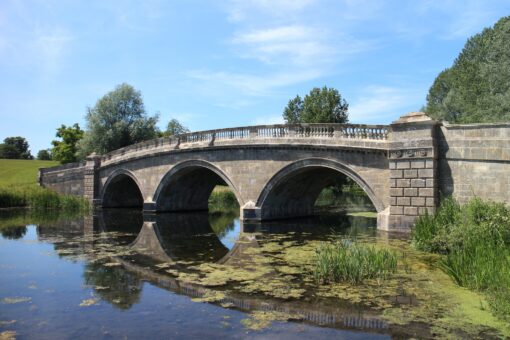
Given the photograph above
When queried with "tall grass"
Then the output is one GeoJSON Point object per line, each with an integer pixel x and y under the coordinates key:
{"type": "Point", "coordinates": [222, 199]}
{"type": "Point", "coordinates": [475, 241]}
{"type": "Point", "coordinates": [39, 198]}
{"type": "Point", "coordinates": [352, 262]}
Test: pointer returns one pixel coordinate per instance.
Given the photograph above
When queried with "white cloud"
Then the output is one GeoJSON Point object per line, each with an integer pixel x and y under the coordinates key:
{"type": "Point", "coordinates": [50, 45]}
{"type": "Point", "coordinates": [250, 84]}
{"type": "Point", "coordinates": [382, 104]}
{"type": "Point", "coordinates": [268, 120]}
{"type": "Point", "coordinates": [239, 10]}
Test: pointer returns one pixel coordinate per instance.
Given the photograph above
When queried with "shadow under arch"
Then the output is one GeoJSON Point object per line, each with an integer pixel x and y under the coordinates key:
{"type": "Point", "coordinates": [188, 185]}
{"type": "Point", "coordinates": [292, 191]}
{"type": "Point", "coordinates": [122, 190]}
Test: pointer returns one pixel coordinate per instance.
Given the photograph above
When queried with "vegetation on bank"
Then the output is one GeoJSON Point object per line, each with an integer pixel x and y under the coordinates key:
{"type": "Point", "coordinates": [474, 240]}
{"type": "Point", "coordinates": [349, 261]}
{"type": "Point", "coordinates": [19, 188]}
{"type": "Point", "coordinates": [222, 199]}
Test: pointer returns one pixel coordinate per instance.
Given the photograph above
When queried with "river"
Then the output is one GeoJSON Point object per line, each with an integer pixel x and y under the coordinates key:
{"type": "Point", "coordinates": [123, 274]}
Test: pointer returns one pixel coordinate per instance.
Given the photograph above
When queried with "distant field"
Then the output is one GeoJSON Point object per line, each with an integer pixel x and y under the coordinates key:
{"type": "Point", "coordinates": [20, 171]}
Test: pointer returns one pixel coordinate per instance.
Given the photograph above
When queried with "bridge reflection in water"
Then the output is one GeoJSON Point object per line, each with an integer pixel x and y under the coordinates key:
{"type": "Point", "coordinates": [178, 240]}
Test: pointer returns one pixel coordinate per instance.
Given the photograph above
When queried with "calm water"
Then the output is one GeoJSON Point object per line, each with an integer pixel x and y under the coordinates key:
{"type": "Point", "coordinates": [122, 274]}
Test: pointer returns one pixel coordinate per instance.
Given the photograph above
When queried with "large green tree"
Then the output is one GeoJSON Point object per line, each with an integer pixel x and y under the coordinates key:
{"type": "Point", "coordinates": [321, 105]}
{"type": "Point", "coordinates": [15, 148]}
{"type": "Point", "coordinates": [65, 150]}
{"type": "Point", "coordinates": [477, 87]}
{"type": "Point", "coordinates": [118, 119]}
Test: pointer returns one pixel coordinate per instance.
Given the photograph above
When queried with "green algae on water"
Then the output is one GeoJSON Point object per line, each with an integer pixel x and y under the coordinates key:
{"type": "Point", "coordinates": [259, 320]}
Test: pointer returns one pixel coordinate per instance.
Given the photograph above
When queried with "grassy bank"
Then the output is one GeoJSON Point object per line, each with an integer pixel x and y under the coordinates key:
{"type": "Point", "coordinates": [222, 199]}
{"type": "Point", "coordinates": [475, 242]}
{"type": "Point", "coordinates": [19, 188]}
{"type": "Point", "coordinates": [21, 171]}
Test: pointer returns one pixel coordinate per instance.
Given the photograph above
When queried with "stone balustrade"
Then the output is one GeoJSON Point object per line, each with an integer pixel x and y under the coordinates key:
{"type": "Point", "coordinates": [315, 133]}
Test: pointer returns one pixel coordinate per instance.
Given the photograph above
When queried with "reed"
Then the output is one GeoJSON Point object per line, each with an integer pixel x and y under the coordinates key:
{"type": "Point", "coordinates": [345, 260]}
{"type": "Point", "coordinates": [38, 198]}
{"type": "Point", "coordinates": [475, 242]}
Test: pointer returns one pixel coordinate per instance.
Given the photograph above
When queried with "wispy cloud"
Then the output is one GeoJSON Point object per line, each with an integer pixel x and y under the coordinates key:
{"type": "Point", "coordinates": [297, 44]}
{"type": "Point", "coordinates": [50, 45]}
{"type": "Point", "coordinates": [381, 104]}
{"type": "Point", "coordinates": [267, 120]}
{"type": "Point", "coordinates": [250, 84]}
{"type": "Point", "coordinates": [239, 10]}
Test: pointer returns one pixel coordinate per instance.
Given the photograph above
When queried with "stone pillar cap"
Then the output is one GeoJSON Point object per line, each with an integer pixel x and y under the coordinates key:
{"type": "Point", "coordinates": [413, 117]}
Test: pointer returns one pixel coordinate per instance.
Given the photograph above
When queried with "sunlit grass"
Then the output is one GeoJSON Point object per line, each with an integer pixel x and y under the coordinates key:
{"type": "Point", "coordinates": [475, 241]}
{"type": "Point", "coordinates": [345, 260]}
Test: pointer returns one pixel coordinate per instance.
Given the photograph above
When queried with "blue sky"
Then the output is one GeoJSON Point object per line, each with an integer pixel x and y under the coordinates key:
{"type": "Point", "coordinates": [214, 64]}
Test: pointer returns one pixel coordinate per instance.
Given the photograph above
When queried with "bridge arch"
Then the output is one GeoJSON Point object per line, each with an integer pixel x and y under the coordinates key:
{"type": "Point", "coordinates": [188, 185]}
{"type": "Point", "coordinates": [122, 190]}
{"type": "Point", "coordinates": [293, 190]}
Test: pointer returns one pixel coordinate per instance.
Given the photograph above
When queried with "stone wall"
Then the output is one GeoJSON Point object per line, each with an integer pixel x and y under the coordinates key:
{"type": "Point", "coordinates": [474, 160]}
{"type": "Point", "coordinates": [66, 179]}
{"type": "Point", "coordinates": [404, 167]}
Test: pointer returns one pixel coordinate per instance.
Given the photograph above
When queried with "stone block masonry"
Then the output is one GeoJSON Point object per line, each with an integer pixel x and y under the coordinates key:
{"type": "Point", "coordinates": [276, 171]}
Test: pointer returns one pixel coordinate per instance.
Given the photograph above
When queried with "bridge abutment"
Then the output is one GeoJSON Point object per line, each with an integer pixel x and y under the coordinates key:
{"type": "Point", "coordinates": [413, 171]}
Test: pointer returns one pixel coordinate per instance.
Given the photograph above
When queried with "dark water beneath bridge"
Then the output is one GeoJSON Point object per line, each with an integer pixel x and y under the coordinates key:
{"type": "Point", "coordinates": [120, 274]}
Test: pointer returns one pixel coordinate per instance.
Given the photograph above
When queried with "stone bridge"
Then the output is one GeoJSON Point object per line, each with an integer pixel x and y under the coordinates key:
{"type": "Point", "coordinates": [278, 171]}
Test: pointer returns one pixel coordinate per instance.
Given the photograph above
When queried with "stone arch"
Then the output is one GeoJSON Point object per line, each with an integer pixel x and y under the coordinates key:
{"type": "Point", "coordinates": [292, 191]}
{"type": "Point", "coordinates": [188, 185]}
{"type": "Point", "coordinates": [122, 190]}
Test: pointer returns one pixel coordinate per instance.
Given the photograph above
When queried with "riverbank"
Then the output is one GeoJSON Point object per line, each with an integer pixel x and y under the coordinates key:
{"type": "Point", "coordinates": [19, 188]}
{"type": "Point", "coordinates": [474, 243]}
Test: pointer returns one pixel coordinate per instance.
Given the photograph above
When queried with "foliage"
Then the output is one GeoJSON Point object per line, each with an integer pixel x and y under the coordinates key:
{"type": "Point", "coordinates": [174, 127]}
{"type": "Point", "coordinates": [293, 111]}
{"type": "Point", "coordinates": [324, 105]}
{"type": "Point", "coordinates": [44, 155]}
{"type": "Point", "coordinates": [477, 87]}
{"type": "Point", "coordinates": [39, 198]}
{"type": "Point", "coordinates": [16, 172]}
{"type": "Point", "coordinates": [475, 241]}
{"type": "Point", "coordinates": [65, 150]}
{"type": "Point", "coordinates": [345, 260]}
{"type": "Point", "coordinates": [118, 119]}
{"type": "Point", "coordinates": [222, 198]}
{"type": "Point", "coordinates": [15, 148]}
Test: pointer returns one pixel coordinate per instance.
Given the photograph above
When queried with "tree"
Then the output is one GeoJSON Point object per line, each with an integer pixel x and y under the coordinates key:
{"type": "Point", "coordinates": [174, 127]}
{"type": "Point", "coordinates": [118, 119]}
{"type": "Point", "coordinates": [65, 151]}
{"type": "Point", "coordinates": [293, 111]}
{"type": "Point", "coordinates": [477, 87]}
{"type": "Point", "coordinates": [324, 105]}
{"type": "Point", "coordinates": [15, 148]}
{"type": "Point", "coordinates": [44, 155]}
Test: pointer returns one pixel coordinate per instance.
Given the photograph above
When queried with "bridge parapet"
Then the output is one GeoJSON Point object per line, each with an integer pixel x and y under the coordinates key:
{"type": "Point", "coordinates": [348, 135]}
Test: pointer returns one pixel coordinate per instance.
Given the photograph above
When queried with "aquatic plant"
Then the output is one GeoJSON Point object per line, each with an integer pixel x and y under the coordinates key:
{"type": "Point", "coordinates": [475, 241]}
{"type": "Point", "coordinates": [39, 198]}
{"type": "Point", "coordinates": [345, 260]}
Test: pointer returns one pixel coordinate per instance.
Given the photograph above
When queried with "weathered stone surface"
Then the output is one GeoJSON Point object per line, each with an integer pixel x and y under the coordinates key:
{"type": "Point", "coordinates": [278, 171]}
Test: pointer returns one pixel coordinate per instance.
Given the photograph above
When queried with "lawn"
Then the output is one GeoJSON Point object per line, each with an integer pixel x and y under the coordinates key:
{"type": "Point", "coordinates": [21, 171]}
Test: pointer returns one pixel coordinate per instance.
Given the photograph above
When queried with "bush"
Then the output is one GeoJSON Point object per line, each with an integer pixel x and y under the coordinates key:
{"type": "Point", "coordinates": [345, 260]}
{"type": "Point", "coordinates": [475, 241]}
